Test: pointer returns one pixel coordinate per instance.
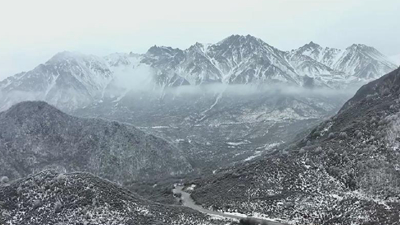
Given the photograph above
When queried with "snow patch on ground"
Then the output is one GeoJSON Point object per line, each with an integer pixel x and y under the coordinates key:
{"type": "Point", "coordinates": [257, 154]}
{"type": "Point", "coordinates": [238, 143]}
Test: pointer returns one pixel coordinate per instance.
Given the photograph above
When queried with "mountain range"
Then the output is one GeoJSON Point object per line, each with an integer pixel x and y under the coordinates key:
{"type": "Point", "coordinates": [73, 80]}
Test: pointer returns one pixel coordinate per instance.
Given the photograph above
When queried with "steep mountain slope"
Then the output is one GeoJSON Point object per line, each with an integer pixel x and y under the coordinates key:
{"type": "Point", "coordinates": [81, 198]}
{"type": "Point", "coordinates": [346, 171]}
{"type": "Point", "coordinates": [36, 136]}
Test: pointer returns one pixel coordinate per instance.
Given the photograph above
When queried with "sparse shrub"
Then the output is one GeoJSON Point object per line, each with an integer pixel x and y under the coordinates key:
{"type": "Point", "coordinates": [37, 203]}
{"type": "Point", "coordinates": [386, 91]}
{"type": "Point", "coordinates": [343, 135]}
{"type": "Point", "coordinates": [318, 150]}
{"type": "Point", "coordinates": [19, 190]}
{"type": "Point", "coordinates": [372, 148]}
{"type": "Point", "coordinates": [334, 171]}
{"type": "Point", "coordinates": [60, 177]}
{"type": "Point", "coordinates": [57, 206]}
{"type": "Point", "coordinates": [358, 134]}
{"type": "Point", "coordinates": [4, 180]}
{"type": "Point", "coordinates": [316, 133]}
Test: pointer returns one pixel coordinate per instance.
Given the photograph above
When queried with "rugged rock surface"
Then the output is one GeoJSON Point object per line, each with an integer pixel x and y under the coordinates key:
{"type": "Point", "coordinates": [346, 171]}
{"type": "Point", "coordinates": [36, 136]}
{"type": "Point", "coordinates": [82, 198]}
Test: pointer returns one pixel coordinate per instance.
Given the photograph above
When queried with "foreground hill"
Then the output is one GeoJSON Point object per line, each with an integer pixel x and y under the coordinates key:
{"type": "Point", "coordinates": [81, 198]}
{"type": "Point", "coordinates": [36, 136]}
{"type": "Point", "coordinates": [346, 171]}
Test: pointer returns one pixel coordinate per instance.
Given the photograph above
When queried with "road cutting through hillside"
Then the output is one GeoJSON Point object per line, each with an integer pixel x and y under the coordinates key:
{"type": "Point", "coordinates": [187, 201]}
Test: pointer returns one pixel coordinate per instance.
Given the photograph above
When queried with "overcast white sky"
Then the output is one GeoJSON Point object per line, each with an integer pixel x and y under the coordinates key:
{"type": "Point", "coordinates": [33, 31]}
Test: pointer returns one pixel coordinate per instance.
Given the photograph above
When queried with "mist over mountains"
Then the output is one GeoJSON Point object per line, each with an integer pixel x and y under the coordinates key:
{"type": "Point", "coordinates": [73, 80]}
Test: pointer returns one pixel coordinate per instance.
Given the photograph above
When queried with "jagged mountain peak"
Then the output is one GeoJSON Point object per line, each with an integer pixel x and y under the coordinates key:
{"type": "Point", "coordinates": [240, 40]}
{"type": "Point", "coordinates": [359, 46]}
{"type": "Point", "coordinates": [312, 45]}
{"type": "Point", "coordinates": [365, 49]}
{"type": "Point", "coordinates": [156, 50]}
{"type": "Point", "coordinates": [67, 56]}
{"type": "Point", "coordinates": [198, 47]}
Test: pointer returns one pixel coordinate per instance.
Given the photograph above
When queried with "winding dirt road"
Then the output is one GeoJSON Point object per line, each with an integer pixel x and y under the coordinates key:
{"type": "Point", "coordinates": [190, 203]}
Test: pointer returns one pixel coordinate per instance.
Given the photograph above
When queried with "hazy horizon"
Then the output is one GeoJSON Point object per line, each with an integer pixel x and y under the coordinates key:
{"type": "Point", "coordinates": [42, 28]}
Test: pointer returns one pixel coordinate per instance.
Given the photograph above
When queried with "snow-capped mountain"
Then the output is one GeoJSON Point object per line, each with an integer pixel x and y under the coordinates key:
{"type": "Point", "coordinates": [73, 80]}
{"type": "Point", "coordinates": [236, 59]}
{"type": "Point", "coordinates": [336, 67]}
{"type": "Point", "coordinates": [246, 59]}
